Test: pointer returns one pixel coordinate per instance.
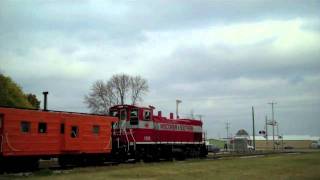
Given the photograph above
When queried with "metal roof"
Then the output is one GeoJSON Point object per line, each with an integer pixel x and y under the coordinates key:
{"type": "Point", "coordinates": [242, 132]}
{"type": "Point", "coordinates": [290, 138]}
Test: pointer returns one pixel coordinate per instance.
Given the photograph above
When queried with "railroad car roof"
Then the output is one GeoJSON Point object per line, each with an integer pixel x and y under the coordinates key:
{"type": "Point", "coordinates": [130, 106]}
{"type": "Point", "coordinates": [183, 121]}
{"type": "Point", "coordinates": [51, 111]}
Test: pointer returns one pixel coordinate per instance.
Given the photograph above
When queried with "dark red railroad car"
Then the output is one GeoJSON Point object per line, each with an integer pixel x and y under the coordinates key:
{"type": "Point", "coordinates": [28, 135]}
{"type": "Point", "coordinates": [141, 134]}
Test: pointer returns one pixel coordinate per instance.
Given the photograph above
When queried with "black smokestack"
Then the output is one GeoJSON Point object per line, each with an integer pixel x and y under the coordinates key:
{"type": "Point", "coordinates": [45, 100]}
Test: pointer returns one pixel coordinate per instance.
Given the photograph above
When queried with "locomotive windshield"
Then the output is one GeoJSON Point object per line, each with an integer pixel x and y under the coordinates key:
{"type": "Point", "coordinates": [123, 114]}
{"type": "Point", "coordinates": [134, 117]}
{"type": "Point", "coordinates": [146, 115]}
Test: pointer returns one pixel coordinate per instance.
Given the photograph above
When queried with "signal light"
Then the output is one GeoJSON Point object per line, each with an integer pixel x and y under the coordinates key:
{"type": "Point", "coordinates": [262, 132]}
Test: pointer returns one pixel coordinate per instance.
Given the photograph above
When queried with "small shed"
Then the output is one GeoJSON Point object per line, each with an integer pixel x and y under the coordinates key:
{"type": "Point", "coordinates": [241, 141]}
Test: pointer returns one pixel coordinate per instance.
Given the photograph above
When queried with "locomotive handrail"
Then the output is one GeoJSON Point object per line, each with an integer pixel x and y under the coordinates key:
{"type": "Point", "coordinates": [108, 146]}
{"type": "Point", "coordinates": [122, 126]}
{"type": "Point", "coordinates": [114, 127]}
{"type": "Point", "coordinates": [128, 143]}
{"type": "Point", "coordinates": [134, 140]}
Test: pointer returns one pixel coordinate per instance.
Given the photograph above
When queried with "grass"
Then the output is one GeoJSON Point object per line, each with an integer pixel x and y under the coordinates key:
{"type": "Point", "coordinates": [217, 143]}
{"type": "Point", "coordinates": [281, 166]}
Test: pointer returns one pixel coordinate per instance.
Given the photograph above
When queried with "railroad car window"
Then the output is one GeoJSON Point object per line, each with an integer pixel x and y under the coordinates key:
{"type": "Point", "coordinates": [134, 117]}
{"type": "Point", "coordinates": [42, 127]}
{"type": "Point", "coordinates": [74, 131]}
{"type": "Point", "coordinates": [146, 115]}
{"type": "Point", "coordinates": [25, 126]}
{"type": "Point", "coordinates": [123, 115]}
{"type": "Point", "coordinates": [62, 128]}
{"type": "Point", "coordinates": [96, 129]}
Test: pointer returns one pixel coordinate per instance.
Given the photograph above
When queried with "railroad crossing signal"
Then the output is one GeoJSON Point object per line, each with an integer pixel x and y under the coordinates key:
{"type": "Point", "coordinates": [262, 132]}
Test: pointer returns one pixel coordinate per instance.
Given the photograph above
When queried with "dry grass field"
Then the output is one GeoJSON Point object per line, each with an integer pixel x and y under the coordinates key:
{"type": "Point", "coordinates": [279, 166]}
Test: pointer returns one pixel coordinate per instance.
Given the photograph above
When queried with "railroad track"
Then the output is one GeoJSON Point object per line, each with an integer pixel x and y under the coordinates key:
{"type": "Point", "coordinates": [52, 165]}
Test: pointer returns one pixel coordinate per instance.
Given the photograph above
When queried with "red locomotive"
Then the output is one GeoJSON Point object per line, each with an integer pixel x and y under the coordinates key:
{"type": "Point", "coordinates": [130, 132]}
{"type": "Point", "coordinates": [139, 134]}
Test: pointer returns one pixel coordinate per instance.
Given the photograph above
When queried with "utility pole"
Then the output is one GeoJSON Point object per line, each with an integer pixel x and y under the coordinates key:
{"type": "Point", "coordinates": [278, 141]}
{"type": "Point", "coordinates": [253, 130]}
{"type": "Point", "coordinates": [177, 110]}
{"type": "Point", "coordinates": [266, 131]}
{"type": "Point", "coordinates": [227, 128]}
{"type": "Point", "coordinates": [226, 146]}
{"type": "Point", "coordinates": [273, 122]}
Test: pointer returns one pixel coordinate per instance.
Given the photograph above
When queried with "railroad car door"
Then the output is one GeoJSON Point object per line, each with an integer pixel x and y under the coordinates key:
{"type": "Point", "coordinates": [123, 119]}
{"type": "Point", "coordinates": [72, 135]}
{"type": "Point", "coordinates": [62, 134]}
{"type": "Point", "coordinates": [1, 131]}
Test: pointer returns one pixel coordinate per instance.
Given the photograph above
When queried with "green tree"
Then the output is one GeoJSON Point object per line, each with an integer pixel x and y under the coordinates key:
{"type": "Point", "coordinates": [32, 98]}
{"type": "Point", "coordinates": [12, 95]}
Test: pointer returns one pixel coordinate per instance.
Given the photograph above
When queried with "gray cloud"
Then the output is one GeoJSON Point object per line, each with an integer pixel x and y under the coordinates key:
{"type": "Point", "coordinates": [220, 58]}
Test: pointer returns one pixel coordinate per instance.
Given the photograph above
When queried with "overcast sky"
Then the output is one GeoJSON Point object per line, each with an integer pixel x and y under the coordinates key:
{"type": "Point", "coordinates": [218, 57]}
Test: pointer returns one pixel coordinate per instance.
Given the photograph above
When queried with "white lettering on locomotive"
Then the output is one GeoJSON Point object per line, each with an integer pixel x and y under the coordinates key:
{"type": "Point", "coordinates": [179, 127]}
{"type": "Point", "coordinates": [147, 138]}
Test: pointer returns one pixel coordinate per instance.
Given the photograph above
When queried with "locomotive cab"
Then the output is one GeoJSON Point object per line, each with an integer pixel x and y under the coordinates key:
{"type": "Point", "coordinates": [134, 124]}
{"type": "Point", "coordinates": [131, 116]}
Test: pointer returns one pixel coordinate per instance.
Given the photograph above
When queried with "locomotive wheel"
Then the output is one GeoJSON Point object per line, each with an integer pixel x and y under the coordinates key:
{"type": "Point", "coordinates": [2, 166]}
{"type": "Point", "coordinates": [167, 153]}
{"type": "Point", "coordinates": [180, 156]}
{"type": "Point", "coordinates": [137, 157]}
{"type": "Point", "coordinates": [34, 164]}
{"type": "Point", "coordinates": [147, 158]}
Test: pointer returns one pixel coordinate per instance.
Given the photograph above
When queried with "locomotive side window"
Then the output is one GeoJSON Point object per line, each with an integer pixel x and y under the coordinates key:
{"type": "Point", "coordinates": [62, 128]}
{"type": "Point", "coordinates": [146, 115]}
{"type": "Point", "coordinates": [96, 129]}
{"type": "Point", "coordinates": [74, 131]}
{"type": "Point", "coordinates": [123, 114]}
{"type": "Point", "coordinates": [42, 127]}
{"type": "Point", "coordinates": [25, 126]}
{"type": "Point", "coordinates": [134, 117]}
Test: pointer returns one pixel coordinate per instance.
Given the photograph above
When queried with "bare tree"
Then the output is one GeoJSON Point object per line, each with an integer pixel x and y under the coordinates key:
{"type": "Point", "coordinates": [139, 86]}
{"type": "Point", "coordinates": [114, 91]}
{"type": "Point", "coordinates": [101, 97]}
{"type": "Point", "coordinates": [121, 84]}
